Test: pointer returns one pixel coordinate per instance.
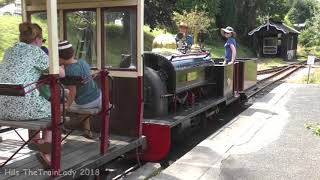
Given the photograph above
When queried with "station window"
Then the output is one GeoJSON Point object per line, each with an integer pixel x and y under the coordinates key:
{"type": "Point", "coordinates": [120, 38]}
{"type": "Point", "coordinates": [81, 31]}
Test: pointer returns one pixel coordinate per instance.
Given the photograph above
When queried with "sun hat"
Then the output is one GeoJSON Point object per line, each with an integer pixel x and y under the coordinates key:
{"type": "Point", "coordinates": [183, 24]}
{"type": "Point", "coordinates": [228, 30]}
{"type": "Point", "coordinates": [66, 50]}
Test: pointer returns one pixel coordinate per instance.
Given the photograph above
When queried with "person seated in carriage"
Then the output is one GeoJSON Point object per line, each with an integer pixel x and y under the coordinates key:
{"type": "Point", "coordinates": [86, 96]}
{"type": "Point", "coordinates": [24, 63]}
{"type": "Point", "coordinates": [184, 40]}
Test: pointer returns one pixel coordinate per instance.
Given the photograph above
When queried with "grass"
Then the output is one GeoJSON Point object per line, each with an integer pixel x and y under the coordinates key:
{"type": "Point", "coordinates": [9, 31]}
{"type": "Point", "coordinates": [313, 79]}
{"type": "Point", "coordinates": [314, 127]}
{"type": "Point", "coordinates": [217, 50]}
{"type": "Point", "coordinates": [267, 63]}
{"type": "Point", "coordinates": [303, 52]}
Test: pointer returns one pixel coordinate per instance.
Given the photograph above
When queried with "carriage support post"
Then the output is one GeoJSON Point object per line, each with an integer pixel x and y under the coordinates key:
{"type": "Point", "coordinates": [55, 125]}
{"type": "Point", "coordinates": [105, 113]}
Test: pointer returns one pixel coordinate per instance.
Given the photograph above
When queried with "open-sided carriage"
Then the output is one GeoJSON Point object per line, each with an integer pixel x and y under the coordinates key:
{"type": "Point", "coordinates": [89, 25]}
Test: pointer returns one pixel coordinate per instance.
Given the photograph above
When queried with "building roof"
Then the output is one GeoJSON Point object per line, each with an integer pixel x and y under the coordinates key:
{"type": "Point", "coordinates": [278, 25]}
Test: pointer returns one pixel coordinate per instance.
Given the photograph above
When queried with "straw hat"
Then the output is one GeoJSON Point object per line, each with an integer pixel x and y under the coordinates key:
{"type": "Point", "coordinates": [228, 30]}
{"type": "Point", "coordinates": [183, 24]}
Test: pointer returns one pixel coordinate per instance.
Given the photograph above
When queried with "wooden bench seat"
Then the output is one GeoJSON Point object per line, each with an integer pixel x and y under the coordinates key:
{"type": "Point", "coordinates": [31, 125]}
{"type": "Point", "coordinates": [91, 111]}
{"type": "Point", "coordinates": [12, 90]}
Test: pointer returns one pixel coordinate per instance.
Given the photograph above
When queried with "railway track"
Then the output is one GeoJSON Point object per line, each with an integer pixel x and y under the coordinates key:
{"type": "Point", "coordinates": [276, 69]}
{"type": "Point", "coordinates": [278, 75]}
{"type": "Point", "coordinates": [271, 70]}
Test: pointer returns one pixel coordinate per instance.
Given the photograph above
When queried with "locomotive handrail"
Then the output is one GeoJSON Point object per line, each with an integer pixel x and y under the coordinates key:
{"type": "Point", "coordinates": [191, 54]}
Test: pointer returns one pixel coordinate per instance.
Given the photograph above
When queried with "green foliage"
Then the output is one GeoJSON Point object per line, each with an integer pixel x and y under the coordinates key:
{"type": "Point", "coordinates": [302, 10]}
{"type": "Point", "coordinates": [314, 127]}
{"type": "Point", "coordinates": [159, 13]}
{"type": "Point", "coordinates": [287, 21]}
{"type": "Point", "coordinates": [243, 15]}
{"type": "Point", "coordinates": [217, 50]}
{"type": "Point", "coordinates": [9, 32]}
{"type": "Point", "coordinates": [276, 9]}
{"type": "Point", "coordinates": [267, 63]}
{"type": "Point", "coordinates": [305, 51]}
{"type": "Point", "coordinates": [212, 7]}
{"type": "Point", "coordinates": [311, 36]}
{"type": "Point", "coordinates": [227, 16]}
{"type": "Point", "coordinates": [195, 19]}
{"type": "Point", "coordinates": [4, 2]}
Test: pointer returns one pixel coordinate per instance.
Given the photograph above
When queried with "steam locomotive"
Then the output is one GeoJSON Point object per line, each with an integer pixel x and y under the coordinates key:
{"type": "Point", "coordinates": [183, 87]}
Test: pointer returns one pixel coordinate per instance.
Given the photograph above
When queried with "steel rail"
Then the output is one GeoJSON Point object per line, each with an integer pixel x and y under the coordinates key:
{"type": "Point", "coordinates": [263, 84]}
{"type": "Point", "coordinates": [276, 69]}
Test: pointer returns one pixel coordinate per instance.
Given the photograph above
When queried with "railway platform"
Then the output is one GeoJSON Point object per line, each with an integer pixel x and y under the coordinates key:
{"type": "Point", "coordinates": [267, 141]}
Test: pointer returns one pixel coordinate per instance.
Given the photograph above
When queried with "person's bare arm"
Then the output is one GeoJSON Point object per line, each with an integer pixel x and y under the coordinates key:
{"type": "Point", "coordinates": [234, 53]}
{"type": "Point", "coordinates": [224, 61]}
{"type": "Point", "coordinates": [71, 96]}
{"type": "Point", "coordinates": [62, 72]}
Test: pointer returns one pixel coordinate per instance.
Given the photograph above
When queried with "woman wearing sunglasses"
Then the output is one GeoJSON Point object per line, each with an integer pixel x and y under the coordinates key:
{"type": "Point", "coordinates": [24, 63]}
{"type": "Point", "coordinates": [230, 46]}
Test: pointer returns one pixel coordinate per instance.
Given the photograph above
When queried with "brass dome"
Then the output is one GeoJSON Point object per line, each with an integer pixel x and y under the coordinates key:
{"type": "Point", "coordinates": [164, 42]}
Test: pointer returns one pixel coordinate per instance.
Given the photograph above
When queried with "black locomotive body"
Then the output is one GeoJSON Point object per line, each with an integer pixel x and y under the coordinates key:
{"type": "Point", "coordinates": [174, 82]}
{"type": "Point", "coordinates": [183, 89]}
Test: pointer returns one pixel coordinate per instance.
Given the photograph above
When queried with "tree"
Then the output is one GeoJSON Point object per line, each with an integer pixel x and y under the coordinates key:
{"type": "Point", "coordinates": [302, 10]}
{"type": "Point", "coordinates": [196, 20]}
{"type": "Point", "coordinates": [275, 9]}
{"type": "Point", "coordinates": [311, 36]}
{"type": "Point", "coordinates": [243, 15]}
{"type": "Point", "coordinates": [159, 12]}
{"type": "Point", "coordinates": [212, 7]}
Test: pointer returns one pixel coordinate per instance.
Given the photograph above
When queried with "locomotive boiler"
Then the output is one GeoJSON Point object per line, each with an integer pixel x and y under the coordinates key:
{"type": "Point", "coordinates": [174, 81]}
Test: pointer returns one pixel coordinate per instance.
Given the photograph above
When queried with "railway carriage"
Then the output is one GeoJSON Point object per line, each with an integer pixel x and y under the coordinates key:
{"type": "Point", "coordinates": [87, 24]}
{"type": "Point", "coordinates": [155, 95]}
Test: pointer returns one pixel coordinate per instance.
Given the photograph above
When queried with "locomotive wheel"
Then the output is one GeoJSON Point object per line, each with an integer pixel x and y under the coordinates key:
{"type": "Point", "coordinates": [154, 89]}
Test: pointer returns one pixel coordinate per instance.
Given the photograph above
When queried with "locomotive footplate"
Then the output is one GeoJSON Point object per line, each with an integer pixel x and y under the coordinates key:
{"type": "Point", "coordinates": [159, 130]}
{"type": "Point", "coordinates": [187, 114]}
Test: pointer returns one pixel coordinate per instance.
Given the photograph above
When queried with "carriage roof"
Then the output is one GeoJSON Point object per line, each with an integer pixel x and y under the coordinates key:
{"type": "Point", "coordinates": [55, 8]}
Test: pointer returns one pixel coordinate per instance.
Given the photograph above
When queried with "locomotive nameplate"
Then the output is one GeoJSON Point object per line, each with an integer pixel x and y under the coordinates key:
{"type": "Point", "coordinates": [192, 76]}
